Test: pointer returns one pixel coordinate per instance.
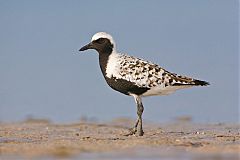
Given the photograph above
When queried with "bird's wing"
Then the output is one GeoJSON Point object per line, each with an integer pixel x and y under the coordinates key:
{"type": "Point", "coordinates": [146, 74]}
{"type": "Point", "coordinates": [141, 73]}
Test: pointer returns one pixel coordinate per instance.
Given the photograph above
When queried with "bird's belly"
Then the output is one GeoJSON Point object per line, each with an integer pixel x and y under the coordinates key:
{"type": "Point", "coordinates": [160, 90]}
{"type": "Point", "coordinates": [125, 87]}
{"type": "Point", "coordinates": [157, 91]}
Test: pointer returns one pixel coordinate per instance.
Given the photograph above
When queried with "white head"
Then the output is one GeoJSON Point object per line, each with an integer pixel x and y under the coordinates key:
{"type": "Point", "coordinates": [100, 41]}
{"type": "Point", "coordinates": [103, 35]}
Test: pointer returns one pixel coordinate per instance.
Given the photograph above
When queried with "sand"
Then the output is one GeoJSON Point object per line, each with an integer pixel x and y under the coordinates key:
{"type": "Point", "coordinates": [40, 139]}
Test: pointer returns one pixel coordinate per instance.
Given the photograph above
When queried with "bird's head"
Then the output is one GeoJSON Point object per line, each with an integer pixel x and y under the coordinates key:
{"type": "Point", "coordinates": [101, 42]}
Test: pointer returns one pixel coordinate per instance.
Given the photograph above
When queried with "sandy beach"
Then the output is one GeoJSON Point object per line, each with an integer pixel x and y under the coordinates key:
{"type": "Point", "coordinates": [40, 139]}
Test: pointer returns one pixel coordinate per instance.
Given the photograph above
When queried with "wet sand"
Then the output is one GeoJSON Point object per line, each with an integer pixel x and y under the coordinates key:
{"type": "Point", "coordinates": [40, 139]}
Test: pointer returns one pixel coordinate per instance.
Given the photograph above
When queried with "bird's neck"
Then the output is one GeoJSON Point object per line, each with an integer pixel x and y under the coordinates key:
{"type": "Point", "coordinates": [103, 61]}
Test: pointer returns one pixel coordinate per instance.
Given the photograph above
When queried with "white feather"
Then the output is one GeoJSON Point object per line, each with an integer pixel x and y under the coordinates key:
{"type": "Point", "coordinates": [113, 68]}
{"type": "Point", "coordinates": [104, 35]}
{"type": "Point", "coordinates": [161, 90]}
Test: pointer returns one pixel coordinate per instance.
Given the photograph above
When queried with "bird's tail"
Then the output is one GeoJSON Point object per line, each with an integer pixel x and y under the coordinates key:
{"type": "Point", "coordinates": [187, 81]}
{"type": "Point", "coordinates": [200, 83]}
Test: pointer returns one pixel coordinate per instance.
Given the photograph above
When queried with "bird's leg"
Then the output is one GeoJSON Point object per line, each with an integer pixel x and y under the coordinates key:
{"type": "Point", "coordinates": [134, 129]}
{"type": "Point", "coordinates": [139, 113]}
{"type": "Point", "coordinates": [138, 125]}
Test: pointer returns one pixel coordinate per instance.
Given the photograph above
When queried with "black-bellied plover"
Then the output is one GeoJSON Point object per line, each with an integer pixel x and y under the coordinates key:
{"type": "Point", "coordinates": [135, 77]}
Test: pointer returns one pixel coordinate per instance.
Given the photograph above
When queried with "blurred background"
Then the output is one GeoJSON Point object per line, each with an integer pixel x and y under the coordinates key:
{"type": "Point", "coordinates": [43, 75]}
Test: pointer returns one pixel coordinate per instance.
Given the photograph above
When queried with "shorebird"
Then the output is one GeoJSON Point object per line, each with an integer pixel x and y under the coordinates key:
{"type": "Point", "coordinates": [134, 76]}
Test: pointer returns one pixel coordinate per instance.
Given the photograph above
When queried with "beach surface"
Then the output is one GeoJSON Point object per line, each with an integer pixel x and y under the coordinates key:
{"type": "Point", "coordinates": [41, 139]}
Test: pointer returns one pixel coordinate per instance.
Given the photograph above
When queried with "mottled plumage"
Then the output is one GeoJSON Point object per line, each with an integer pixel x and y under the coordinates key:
{"type": "Point", "coordinates": [145, 74]}
{"type": "Point", "coordinates": [136, 77]}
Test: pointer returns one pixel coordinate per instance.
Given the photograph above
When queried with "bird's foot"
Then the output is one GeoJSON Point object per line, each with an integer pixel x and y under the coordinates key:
{"type": "Point", "coordinates": [134, 131]}
{"type": "Point", "coordinates": [131, 132]}
{"type": "Point", "coordinates": [140, 132]}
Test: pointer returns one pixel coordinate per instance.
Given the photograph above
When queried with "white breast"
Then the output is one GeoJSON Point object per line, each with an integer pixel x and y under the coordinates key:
{"type": "Point", "coordinates": [112, 69]}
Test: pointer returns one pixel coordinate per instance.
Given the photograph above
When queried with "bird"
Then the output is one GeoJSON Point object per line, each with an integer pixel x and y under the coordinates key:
{"type": "Point", "coordinates": [135, 77]}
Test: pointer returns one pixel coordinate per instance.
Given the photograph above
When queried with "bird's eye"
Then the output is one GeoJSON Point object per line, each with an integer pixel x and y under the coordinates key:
{"type": "Point", "coordinates": [100, 40]}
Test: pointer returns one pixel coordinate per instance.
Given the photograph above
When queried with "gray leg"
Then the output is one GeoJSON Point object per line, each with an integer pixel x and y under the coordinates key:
{"type": "Point", "coordinates": [139, 113]}
{"type": "Point", "coordinates": [138, 125]}
{"type": "Point", "coordinates": [134, 129]}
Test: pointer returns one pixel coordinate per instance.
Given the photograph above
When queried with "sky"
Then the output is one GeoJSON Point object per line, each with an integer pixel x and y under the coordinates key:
{"type": "Point", "coordinates": [43, 75]}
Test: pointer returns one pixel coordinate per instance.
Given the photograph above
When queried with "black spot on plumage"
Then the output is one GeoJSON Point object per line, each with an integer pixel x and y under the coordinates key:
{"type": "Point", "coordinates": [150, 75]}
{"type": "Point", "coordinates": [157, 69]}
{"type": "Point", "coordinates": [145, 69]}
{"type": "Point", "coordinates": [137, 63]}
